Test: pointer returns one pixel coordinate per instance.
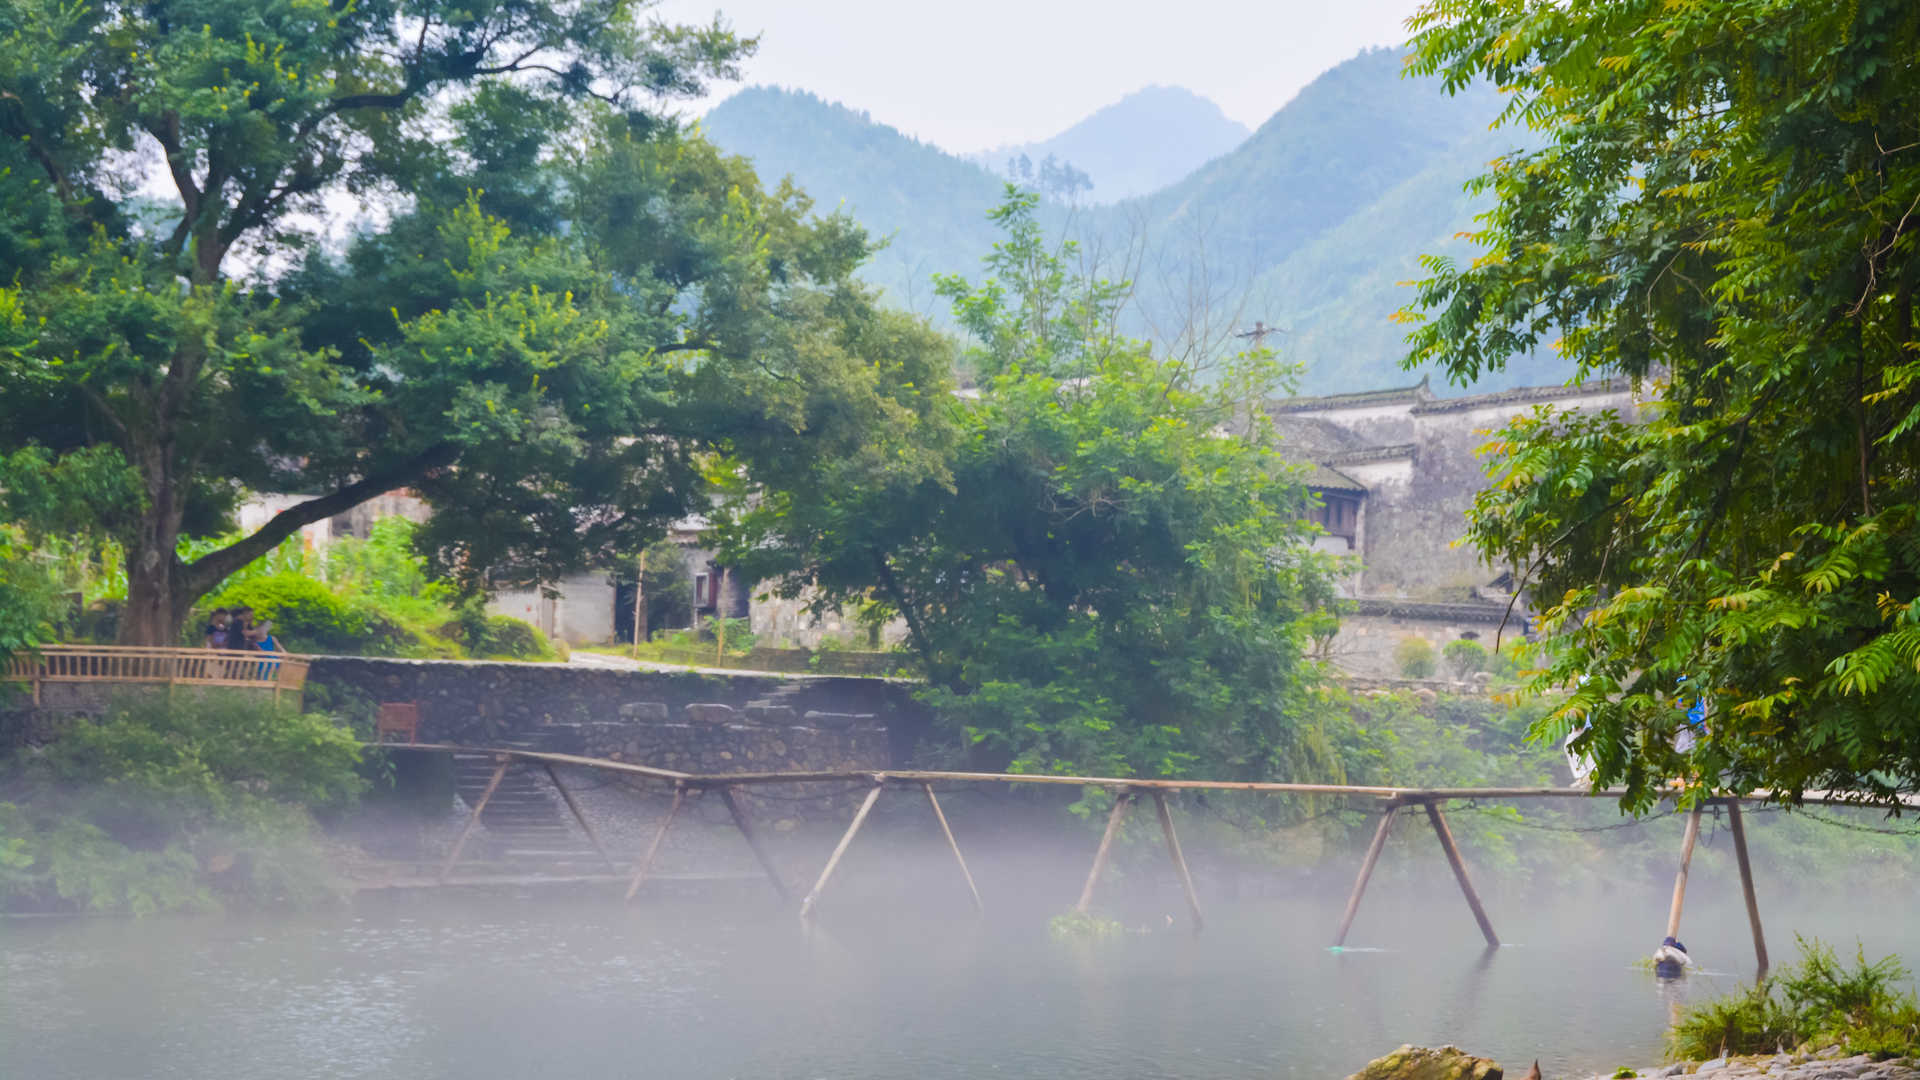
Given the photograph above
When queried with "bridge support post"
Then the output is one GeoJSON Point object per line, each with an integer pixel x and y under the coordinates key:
{"type": "Point", "coordinates": [1746, 884]}
{"type": "Point", "coordinates": [1366, 872]}
{"type": "Point", "coordinates": [567, 797]}
{"type": "Point", "coordinates": [1122, 800]}
{"type": "Point", "coordinates": [659, 836]}
{"type": "Point", "coordinates": [1460, 872]}
{"type": "Point", "coordinates": [1680, 879]}
{"type": "Point", "coordinates": [947, 831]}
{"type": "Point", "coordinates": [1179, 860]}
{"type": "Point", "coordinates": [746, 830]}
{"type": "Point", "coordinates": [846, 841]}
{"type": "Point", "coordinates": [493, 784]}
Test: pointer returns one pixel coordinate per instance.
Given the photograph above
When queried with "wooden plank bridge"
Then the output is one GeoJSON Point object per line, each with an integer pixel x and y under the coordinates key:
{"type": "Point", "coordinates": [1390, 802]}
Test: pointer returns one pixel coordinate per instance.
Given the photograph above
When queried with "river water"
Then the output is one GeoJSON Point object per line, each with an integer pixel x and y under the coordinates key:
{"type": "Point", "coordinates": [727, 984]}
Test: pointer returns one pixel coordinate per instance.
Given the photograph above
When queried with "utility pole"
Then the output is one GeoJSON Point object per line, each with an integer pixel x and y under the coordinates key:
{"type": "Point", "coordinates": [1258, 335]}
{"type": "Point", "coordinates": [640, 604]}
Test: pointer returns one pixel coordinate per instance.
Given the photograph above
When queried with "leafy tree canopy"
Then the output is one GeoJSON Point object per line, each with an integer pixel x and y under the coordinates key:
{"type": "Point", "coordinates": [553, 302]}
{"type": "Point", "coordinates": [1103, 578]}
{"type": "Point", "coordinates": [1724, 210]}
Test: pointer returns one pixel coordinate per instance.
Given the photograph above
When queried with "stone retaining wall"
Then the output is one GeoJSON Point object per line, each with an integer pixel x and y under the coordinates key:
{"type": "Point", "coordinates": [691, 721]}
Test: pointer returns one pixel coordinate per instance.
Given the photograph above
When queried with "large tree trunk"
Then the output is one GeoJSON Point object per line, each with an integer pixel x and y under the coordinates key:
{"type": "Point", "coordinates": [156, 604]}
{"type": "Point", "coordinates": [156, 595]}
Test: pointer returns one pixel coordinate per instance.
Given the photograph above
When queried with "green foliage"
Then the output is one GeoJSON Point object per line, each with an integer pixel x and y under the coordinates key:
{"type": "Point", "coordinates": [377, 599]}
{"type": "Point", "coordinates": [1414, 656]}
{"type": "Point", "coordinates": [1815, 1002]}
{"type": "Point", "coordinates": [309, 617]}
{"type": "Point", "coordinates": [172, 803]}
{"type": "Point", "coordinates": [1080, 926]}
{"type": "Point", "coordinates": [1720, 211]}
{"type": "Point", "coordinates": [1096, 578]}
{"type": "Point", "coordinates": [575, 303]}
{"type": "Point", "coordinates": [497, 637]}
{"type": "Point", "coordinates": [31, 604]}
{"type": "Point", "coordinates": [667, 585]}
{"type": "Point", "coordinates": [1464, 658]}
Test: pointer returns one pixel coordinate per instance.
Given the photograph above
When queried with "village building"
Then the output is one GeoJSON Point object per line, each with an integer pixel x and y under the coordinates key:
{"type": "Point", "coordinates": [1396, 471]}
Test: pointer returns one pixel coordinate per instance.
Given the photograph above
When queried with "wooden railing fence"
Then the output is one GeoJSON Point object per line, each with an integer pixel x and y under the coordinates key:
{"type": "Point", "coordinates": [281, 673]}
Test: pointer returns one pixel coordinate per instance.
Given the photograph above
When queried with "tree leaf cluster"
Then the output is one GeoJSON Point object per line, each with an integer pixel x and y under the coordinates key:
{"type": "Point", "coordinates": [1103, 564]}
{"type": "Point", "coordinates": [1722, 211]}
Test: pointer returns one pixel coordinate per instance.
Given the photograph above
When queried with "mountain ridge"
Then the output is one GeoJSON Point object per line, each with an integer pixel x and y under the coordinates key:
{"type": "Point", "coordinates": [1187, 131]}
{"type": "Point", "coordinates": [1309, 224]}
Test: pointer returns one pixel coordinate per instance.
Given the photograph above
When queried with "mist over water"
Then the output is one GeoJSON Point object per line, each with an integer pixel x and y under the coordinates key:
{"type": "Point", "coordinates": [898, 979]}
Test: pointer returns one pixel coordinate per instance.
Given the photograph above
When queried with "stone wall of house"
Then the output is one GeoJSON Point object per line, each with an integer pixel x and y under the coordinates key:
{"type": "Point", "coordinates": [1365, 646]}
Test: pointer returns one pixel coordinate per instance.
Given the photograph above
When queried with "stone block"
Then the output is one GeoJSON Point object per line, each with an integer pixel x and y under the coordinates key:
{"type": "Point", "coordinates": [711, 713]}
{"type": "Point", "coordinates": [647, 711]}
{"type": "Point", "coordinates": [761, 712]}
{"type": "Point", "coordinates": [836, 721]}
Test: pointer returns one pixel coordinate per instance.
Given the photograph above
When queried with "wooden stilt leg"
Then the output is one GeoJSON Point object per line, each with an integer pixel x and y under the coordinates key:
{"type": "Point", "coordinates": [1680, 879]}
{"type": "Point", "coordinates": [1460, 873]}
{"type": "Point", "coordinates": [746, 829]}
{"type": "Point", "coordinates": [493, 784]}
{"type": "Point", "coordinates": [1179, 860]}
{"type": "Point", "coordinates": [1746, 884]}
{"type": "Point", "coordinates": [1366, 872]}
{"type": "Point", "coordinates": [567, 796]}
{"type": "Point", "coordinates": [833, 860]}
{"type": "Point", "coordinates": [1121, 801]}
{"type": "Point", "coordinates": [947, 831]}
{"type": "Point", "coordinates": [659, 836]}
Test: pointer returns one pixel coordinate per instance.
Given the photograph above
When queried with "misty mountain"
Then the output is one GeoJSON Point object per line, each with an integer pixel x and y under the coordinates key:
{"type": "Point", "coordinates": [1137, 145]}
{"type": "Point", "coordinates": [1310, 224]}
{"type": "Point", "coordinates": [930, 205]}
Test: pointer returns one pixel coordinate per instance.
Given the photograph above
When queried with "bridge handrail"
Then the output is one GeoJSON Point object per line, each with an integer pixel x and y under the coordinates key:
{"type": "Point", "coordinates": [1396, 795]}
{"type": "Point", "coordinates": [147, 665]}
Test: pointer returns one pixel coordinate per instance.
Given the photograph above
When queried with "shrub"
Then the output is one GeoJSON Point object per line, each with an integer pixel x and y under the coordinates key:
{"type": "Point", "coordinates": [1815, 1001]}
{"type": "Point", "coordinates": [175, 803]}
{"type": "Point", "coordinates": [513, 638]}
{"type": "Point", "coordinates": [1415, 658]}
{"type": "Point", "coordinates": [500, 637]}
{"type": "Point", "coordinates": [310, 617]}
{"type": "Point", "coordinates": [1464, 658]}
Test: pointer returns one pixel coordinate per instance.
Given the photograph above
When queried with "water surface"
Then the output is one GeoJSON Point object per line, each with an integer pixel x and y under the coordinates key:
{"type": "Point", "coordinates": [730, 986]}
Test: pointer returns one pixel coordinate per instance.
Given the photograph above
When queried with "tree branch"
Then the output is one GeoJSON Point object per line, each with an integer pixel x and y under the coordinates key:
{"type": "Point", "coordinates": [209, 569]}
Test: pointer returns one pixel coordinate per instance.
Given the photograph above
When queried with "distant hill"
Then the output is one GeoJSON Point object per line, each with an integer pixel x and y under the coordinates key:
{"type": "Point", "coordinates": [1309, 224]}
{"type": "Point", "coordinates": [932, 205]}
{"type": "Point", "coordinates": [1137, 145]}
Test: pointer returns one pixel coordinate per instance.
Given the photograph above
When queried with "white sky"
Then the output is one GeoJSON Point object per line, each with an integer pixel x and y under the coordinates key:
{"type": "Point", "coordinates": [977, 75]}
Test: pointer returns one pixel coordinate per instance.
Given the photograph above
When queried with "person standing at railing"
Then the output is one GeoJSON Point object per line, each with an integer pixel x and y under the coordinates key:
{"type": "Point", "coordinates": [261, 637]}
{"type": "Point", "coordinates": [218, 625]}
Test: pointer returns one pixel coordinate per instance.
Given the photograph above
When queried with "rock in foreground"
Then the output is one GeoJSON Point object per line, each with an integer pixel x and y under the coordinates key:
{"type": "Point", "coordinates": [1419, 1063]}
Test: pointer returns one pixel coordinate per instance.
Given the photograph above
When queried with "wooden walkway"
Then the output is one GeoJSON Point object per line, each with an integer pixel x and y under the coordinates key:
{"type": "Point", "coordinates": [1392, 803]}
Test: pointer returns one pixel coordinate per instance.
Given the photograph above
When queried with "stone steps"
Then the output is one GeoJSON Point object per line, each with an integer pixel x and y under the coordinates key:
{"type": "Point", "coordinates": [525, 822]}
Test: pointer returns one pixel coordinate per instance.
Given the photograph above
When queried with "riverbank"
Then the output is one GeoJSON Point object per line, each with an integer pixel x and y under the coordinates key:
{"type": "Point", "coordinates": [1823, 1065]}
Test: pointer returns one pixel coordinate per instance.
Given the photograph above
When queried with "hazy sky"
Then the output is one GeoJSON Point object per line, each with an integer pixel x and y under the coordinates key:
{"type": "Point", "coordinates": [976, 75]}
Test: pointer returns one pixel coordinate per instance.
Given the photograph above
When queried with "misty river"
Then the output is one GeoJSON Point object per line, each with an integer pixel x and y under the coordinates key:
{"type": "Point", "coordinates": [690, 984]}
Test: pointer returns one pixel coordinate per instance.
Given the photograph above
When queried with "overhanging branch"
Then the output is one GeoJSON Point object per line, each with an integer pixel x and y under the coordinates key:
{"type": "Point", "coordinates": [211, 568]}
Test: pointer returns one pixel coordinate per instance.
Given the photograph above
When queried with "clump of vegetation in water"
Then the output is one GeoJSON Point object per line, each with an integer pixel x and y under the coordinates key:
{"type": "Point", "coordinates": [1816, 1002]}
{"type": "Point", "coordinates": [1080, 926]}
{"type": "Point", "coordinates": [182, 803]}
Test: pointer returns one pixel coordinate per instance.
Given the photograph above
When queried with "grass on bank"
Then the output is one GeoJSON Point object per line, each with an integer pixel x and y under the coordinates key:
{"type": "Point", "coordinates": [1815, 1003]}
